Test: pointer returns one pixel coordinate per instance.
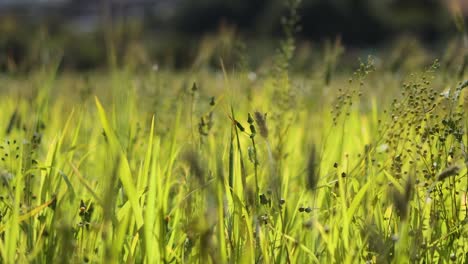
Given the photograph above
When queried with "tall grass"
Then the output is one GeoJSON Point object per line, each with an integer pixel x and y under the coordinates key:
{"type": "Point", "coordinates": [214, 167]}
{"type": "Point", "coordinates": [125, 180]}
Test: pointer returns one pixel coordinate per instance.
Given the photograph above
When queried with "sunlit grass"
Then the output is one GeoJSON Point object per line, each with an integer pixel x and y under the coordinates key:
{"type": "Point", "coordinates": [130, 167]}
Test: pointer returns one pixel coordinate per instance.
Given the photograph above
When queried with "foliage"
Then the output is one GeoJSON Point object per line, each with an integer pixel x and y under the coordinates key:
{"type": "Point", "coordinates": [142, 164]}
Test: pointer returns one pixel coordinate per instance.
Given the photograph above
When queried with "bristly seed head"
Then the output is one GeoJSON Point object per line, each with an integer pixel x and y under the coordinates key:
{"type": "Point", "coordinates": [401, 200]}
{"type": "Point", "coordinates": [450, 171]}
{"type": "Point", "coordinates": [260, 119]}
{"type": "Point", "coordinates": [193, 159]}
{"type": "Point", "coordinates": [312, 177]}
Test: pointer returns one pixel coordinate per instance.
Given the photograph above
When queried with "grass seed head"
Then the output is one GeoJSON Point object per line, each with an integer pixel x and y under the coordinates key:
{"type": "Point", "coordinates": [239, 126]}
{"type": "Point", "coordinates": [194, 161]}
{"type": "Point", "coordinates": [264, 199]}
{"type": "Point", "coordinates": [450, 171]}
{"type": "Point", "coordinates": [260, 119]}
{"type": "Point", "coordinates": [401, 200]}
{"type": "Point", "coordinates": [312, 177]}
{"type": "Point", "coordinates": [194, 87]}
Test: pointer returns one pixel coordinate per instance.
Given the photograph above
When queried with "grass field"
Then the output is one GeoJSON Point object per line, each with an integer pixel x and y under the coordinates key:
{"type": "Point", "coordinates": [147, 165]}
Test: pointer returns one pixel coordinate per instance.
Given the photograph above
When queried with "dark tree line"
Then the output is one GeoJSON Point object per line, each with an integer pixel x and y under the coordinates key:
{"type": "Point", "coordinates": [357, 22]}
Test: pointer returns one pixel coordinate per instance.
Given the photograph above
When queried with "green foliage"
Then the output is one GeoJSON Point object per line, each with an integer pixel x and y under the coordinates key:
{"type": "Point", "coordinates": [122, 179]}
{"type": "Point", "coordinates": [158, 166]}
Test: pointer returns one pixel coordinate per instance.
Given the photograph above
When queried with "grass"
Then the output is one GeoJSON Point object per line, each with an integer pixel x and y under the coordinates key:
{"type": "Point", "coordinates": [147, 168]}
{"type": "Point", "coordinates": [145, 165]}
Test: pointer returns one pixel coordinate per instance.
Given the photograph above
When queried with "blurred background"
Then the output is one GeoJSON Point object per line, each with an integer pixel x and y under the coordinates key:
{"type": "Point", "coordinates": [178, 34]}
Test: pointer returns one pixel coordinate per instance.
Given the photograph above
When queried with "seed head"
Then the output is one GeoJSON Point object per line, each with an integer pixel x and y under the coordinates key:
{"type": "Point", "coordinates": [260, 119]}
{"type": "Point", "coordinates": [193, 159]}
{"type": "Point", "coordinates": [312, 177]}
{"type": "Point", "coordinates": [450, 171]}
{"type": "Point", "coordinates": [401, 200]}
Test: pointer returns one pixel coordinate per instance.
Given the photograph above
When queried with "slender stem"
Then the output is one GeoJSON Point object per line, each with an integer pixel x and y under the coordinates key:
{"type": "Point", "coordinates": [255, 166]}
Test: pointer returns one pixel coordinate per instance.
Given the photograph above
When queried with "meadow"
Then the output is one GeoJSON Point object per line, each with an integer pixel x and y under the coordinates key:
{"type": "Point", "coordinates": [238, 165]}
